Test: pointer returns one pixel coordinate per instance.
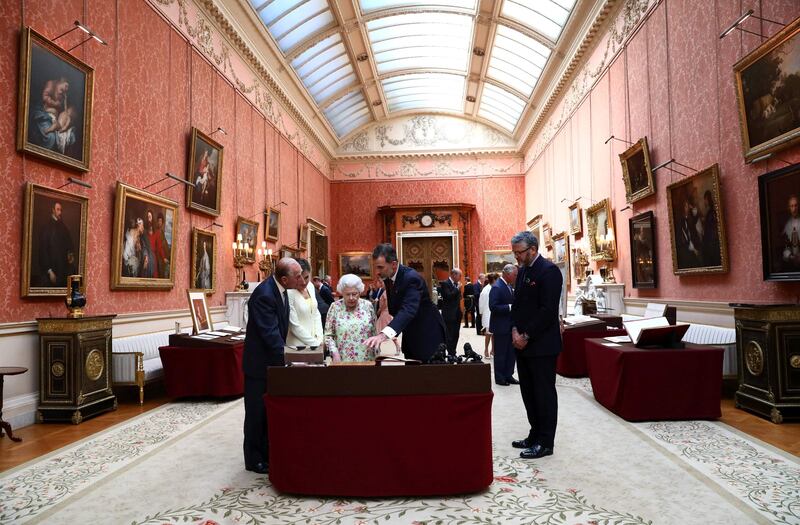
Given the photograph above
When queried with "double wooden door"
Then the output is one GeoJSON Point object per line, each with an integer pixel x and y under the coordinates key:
{"type": "Point", "coordinates": [431, 257]}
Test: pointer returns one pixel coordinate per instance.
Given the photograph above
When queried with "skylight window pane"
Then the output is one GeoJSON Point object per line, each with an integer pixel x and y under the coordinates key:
{"type": "Point", "coordinates": [311, 27]}
{"type": "Point", "coordinates": [336, 86]}
{"type": "Point", "coordinates": [421, 40]}
{"type": "Point", "coordinates": [348, 113]}
{"type": "Point", "coordinates": [375, 5]}
{"type": "Point", "coordinates": [275, 10]}
{"type": "Point", "coordinates": [327, 69]}
{"type": "Point", "coordinates": [424, 91]}
{"type": "Point", "coordinates": [330, 79]}
{"type": "Point", "coordinates": [307, 63]}
{"type": "Point", "coordinates": [500, 106]}
{"type": "Point", "coordinates": [544, 16]}
{"type": "Point", "coordinates": [297, 16]}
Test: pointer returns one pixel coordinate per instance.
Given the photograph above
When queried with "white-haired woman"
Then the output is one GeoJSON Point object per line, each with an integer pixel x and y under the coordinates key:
{"type": "Point", "coordinates": [350, 322]}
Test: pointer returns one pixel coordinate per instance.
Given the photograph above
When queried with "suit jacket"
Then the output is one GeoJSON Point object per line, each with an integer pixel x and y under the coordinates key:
{"type": "Point", "coordinates": [322, 306]}
{"type": "Point", "coordinates": [500, 297]}
{"type": "Point", "coordinates": [415, 315]}
{"type": "Point", "coordinates": [326, 293]}
{"type": "Point", "coordinates": [451, 301]}
{"type": "Point", "coordinates": [535, 308]}
{"type": "Point", "coordinates": [267, 326]}
{"type": "Point", "coordinates": [469, 290]}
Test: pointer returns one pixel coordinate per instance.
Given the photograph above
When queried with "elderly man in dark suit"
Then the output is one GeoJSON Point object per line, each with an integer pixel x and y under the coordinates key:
{"type": "Point", "coordinates": [536, 334]}
{"type": "Point", "coordinates": [450, 292]}
{"type": "Point", "coordinates": [267, 325]}
{"type": "Point", "coordinates": [501, 297]}
{"type": "Point", "coordinates": [415, 316]}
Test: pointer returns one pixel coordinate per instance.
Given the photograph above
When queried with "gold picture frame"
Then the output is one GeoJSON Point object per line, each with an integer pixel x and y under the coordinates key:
{"type": "Point", "coordinates": [561, 255]}
{"type": "Point", "coordinates": [53, 240]}
{"type": "Point", "coordinates": [198, 308]}
{"type": "Point", "coordinates": [357, 263]}
{"type": "Point", "coordinates": [136, 213]}
{"type": "Point", "coordinates": [602, 241]}
{"type": "Point", "coordinates": [697, 249]}
{"type": "Point", "coordinates": [768, 120]}
{"type": "Point", "coordinates": [547, 233]}
{"type": "Point", "coordinates": [272, 224]}
{"type": "Point", "coordinates": [204, 171]}
{"type": "Point", "coordinates": [636, 171]}
{"type": "Point", "coordinates": [204, 264]}
{"type": "Point", "coordinates": [54, 117]}
{"type": "Point", "coordinates": [302, 239]}
{"type": "Point", "coordinates": [249, 231]}
{"type": "Point", "coordinates": [575, 219]}
{"type": "Point", "coordinates": [494, 260]}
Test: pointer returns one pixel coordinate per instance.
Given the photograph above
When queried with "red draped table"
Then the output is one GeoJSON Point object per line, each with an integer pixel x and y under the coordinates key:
{"type": "Point", "coordinates": [572, 359]}
{"type": "Point", "coordinates": [197, 368]}
{"type": "Point", "coordinates": [656, 383]}
{"type": "Point", "coordinates": [368, 431]}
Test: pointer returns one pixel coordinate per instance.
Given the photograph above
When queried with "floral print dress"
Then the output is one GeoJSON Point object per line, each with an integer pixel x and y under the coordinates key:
{"type": "Point", "coordinates": [347, 331]}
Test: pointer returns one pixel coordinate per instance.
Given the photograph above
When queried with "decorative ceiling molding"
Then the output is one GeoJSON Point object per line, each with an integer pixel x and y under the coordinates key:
{"type": "Point", "coordinates": [621, 29]}
{"type": "Point", "coordinates": [426, 168]}
{"type": "Point", "coordinates": [206, 22]}
{"type": "Point", "coordinates": [426, 134]}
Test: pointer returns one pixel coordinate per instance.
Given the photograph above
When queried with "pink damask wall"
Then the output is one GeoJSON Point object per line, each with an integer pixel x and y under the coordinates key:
{"type": "Point", "coordinates": [672, 82]}
{"type": "Point", "coordinates": [151, 87]}
{"type": "Point", "coordinates": [499, 206]}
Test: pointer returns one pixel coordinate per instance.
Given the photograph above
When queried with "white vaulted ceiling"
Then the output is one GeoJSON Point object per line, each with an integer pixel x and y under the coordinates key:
{"type": "Point", "coordinates": [363, 61]}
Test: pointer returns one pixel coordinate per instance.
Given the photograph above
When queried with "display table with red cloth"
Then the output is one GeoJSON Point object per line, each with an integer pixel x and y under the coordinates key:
{"type": "Point", "coordinates": [198, 368]}
{"type": "Point", "coordinates": [652, 384]}
{"type": "Point", "coordinates": [369, 431]}
{"type": "Point", "coordinates": [572, 359]}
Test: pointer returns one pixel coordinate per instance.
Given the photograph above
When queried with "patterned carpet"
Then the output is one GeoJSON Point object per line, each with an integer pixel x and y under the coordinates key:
{"type": "Point", "coordinates": [182, 463]}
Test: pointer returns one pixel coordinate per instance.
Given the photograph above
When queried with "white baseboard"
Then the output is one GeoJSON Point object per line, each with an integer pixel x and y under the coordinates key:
{"type": "Point", "coordinates": [20, 411]}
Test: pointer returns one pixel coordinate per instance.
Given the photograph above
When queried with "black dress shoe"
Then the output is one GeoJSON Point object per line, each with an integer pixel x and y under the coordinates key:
{"type": "Point", "coordinates": [502, 383]}
{"type": "Point", "coordinates": [513, 381]}
{"type": "Point", "coordinates": [258, 468]}
{"type": "Point", "coordinates": [535, 452]}
{"type": "Point", "coordinates": [522, 443]}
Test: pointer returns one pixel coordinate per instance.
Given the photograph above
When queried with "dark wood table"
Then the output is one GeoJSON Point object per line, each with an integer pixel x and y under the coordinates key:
{"type": "Point", "coordinates": [8, 371]}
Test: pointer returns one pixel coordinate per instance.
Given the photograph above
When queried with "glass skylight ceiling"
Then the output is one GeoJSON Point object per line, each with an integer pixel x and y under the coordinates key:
{"type": "Point", "coordinates": [546, 17]}
{"type": "Point", "coordinates": [421, 52]}
{"type": "Point", "coordinates": [348, 113]}
{"type": "Point", "coordinates": [517, 60]}
{"type": "Point", "coordinates": [435, 91]}
{"type": "Point", "coordinates": [500, 106]}
{"type": "Point", "coordinates": [421, 41]}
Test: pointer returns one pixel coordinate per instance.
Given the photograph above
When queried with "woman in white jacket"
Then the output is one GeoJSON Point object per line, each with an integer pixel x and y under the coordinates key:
{"type": "Point", "coordinates": [483, 309]}
{"type": "Point", "coordinates": [305, 321]}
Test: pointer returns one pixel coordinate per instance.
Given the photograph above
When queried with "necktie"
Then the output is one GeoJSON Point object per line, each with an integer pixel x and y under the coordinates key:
{"type": "Point", "coordinates": [286, 303]}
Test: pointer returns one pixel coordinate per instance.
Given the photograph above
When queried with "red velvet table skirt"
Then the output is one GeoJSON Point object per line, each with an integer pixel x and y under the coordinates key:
{"type": "Point", "coordinates": [380, 446]}
{"type": "Point", "coordinates": [215, 371]}
{"type": "Point", "coordinates": [656, 384]}
{"type": "Point", "coordinates": [572, 359]}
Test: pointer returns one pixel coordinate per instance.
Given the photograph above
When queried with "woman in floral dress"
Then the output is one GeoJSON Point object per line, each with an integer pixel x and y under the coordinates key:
{"type": "Point", "coordinates": [350, 322]}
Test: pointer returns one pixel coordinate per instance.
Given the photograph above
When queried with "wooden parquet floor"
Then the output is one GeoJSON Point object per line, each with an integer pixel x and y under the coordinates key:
{"type": "Point", "coordinates": [38, 440]}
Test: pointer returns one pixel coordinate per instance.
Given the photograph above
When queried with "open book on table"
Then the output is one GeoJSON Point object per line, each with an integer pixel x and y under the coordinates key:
{"type": "Point", "coordinates": [387, 360]}
{"type": "Point", "coordinates": [655, 332]}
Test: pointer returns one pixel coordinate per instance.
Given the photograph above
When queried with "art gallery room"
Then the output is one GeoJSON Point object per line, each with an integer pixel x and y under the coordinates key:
{"type": "Point", "coordinates": [395, 261]}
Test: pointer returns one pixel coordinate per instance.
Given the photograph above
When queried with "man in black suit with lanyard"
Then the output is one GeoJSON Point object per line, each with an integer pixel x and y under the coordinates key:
{"type": "Point", "coordinates": [536, 336]}
{"type": "Point", "coordinates": [267, 325]}
{"type": "Point", "coordinates": [408, 300]}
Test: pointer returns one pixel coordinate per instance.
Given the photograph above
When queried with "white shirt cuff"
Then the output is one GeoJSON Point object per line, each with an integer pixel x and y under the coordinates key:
{"type": "Point", "coordinates": [388, 332]}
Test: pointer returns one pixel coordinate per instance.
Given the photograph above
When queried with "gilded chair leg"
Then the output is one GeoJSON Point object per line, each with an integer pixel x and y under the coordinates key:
{"type": "Point", "coordinates": [141, 395]}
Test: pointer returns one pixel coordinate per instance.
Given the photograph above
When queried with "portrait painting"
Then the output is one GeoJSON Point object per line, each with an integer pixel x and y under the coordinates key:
{"type": "Point", "coordinates": [272, 220]}
{"type": "Point", "coordinates": [535, 226]}
{"type": "Point", "coordinates": [547, 233]}
{"type": "Point", "coordinates": [249, 234]}
{"type": "Point", "coordinates": [696, 224]}
{"type": "Point", "coordinates": [53, 240]}
{"type": "Point", "coordinates": [302, 239]}
{"type": "Point", "coordinates": [602, 243]}
{"type": "Point", "coordinates": [357, 263]}
{"type": "Point", "coordinates": [636, 172]}
{"type": "Point", "coordinates": [768, 93]}
{"type": "Point", "coordinates": [778, 194]}
{"type": "Point", "coordinates": [494, 260]}
{"type": "Point", "coordinates": [55, 103]}
{"type": "Point", "coordinates": [560, 247]}
{"type": "Point", "coordinates": [288, 251]}
{"type": "Point", "coordinates": [205, 174]}
{"type": "Point", "coordinates": [575, 220]}
{"type": "Point", "coordinates": [643, 250]}
{"type": "Point", "coordinates": [145, 231]}
{"type": "Point", "coordinates": [201, 319]}
{"type": "Point", "coordinates": [204, 255]}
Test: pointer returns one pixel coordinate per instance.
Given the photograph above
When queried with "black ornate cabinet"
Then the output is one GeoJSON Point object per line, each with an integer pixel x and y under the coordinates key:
{"type": "Point", "coordinates": [74, 368]}
{"type": "Point", "coordinates": [768, 354]}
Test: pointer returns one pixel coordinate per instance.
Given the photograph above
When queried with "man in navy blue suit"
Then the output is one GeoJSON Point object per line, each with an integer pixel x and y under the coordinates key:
{"type": "Point", "coordinates": [536, 334]}
{"type": "Point", "coordinates": [450, 293]}
{"type": "Point", "coordinates": [267, 325]}
{"type": "Point", "coordinates": [501, 297]}
{"type": "Point", "coordinates": [415, 316]}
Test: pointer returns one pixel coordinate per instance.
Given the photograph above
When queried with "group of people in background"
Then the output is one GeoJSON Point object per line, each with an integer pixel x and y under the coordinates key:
{"type": "Point", "coordinates": [520, 314]}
